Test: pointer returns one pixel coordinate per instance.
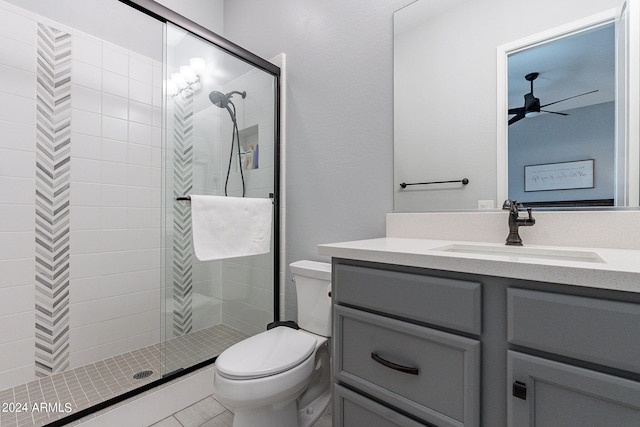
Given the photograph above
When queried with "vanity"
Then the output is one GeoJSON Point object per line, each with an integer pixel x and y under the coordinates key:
{"type": "Point", "coordinates": [460, 333]}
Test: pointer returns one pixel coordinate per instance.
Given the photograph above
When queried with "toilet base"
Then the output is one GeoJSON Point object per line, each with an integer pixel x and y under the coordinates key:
{"type": "Point", "coordinates": [267, 416]}
{"type": "Point", "coordinates": [312, 413]}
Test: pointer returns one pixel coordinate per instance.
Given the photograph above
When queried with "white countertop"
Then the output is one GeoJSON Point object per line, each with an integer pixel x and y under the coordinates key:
{"type": "Point", "coordinates": [619, 269]}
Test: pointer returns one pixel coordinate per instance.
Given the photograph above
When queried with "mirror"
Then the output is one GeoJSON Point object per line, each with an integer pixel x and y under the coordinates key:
{"type": "Point", "coordinates": [452, 75]}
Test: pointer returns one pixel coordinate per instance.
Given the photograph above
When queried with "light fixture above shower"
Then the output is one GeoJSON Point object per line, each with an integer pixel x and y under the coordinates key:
{"type": "Point", "coordinates": [188, 80]}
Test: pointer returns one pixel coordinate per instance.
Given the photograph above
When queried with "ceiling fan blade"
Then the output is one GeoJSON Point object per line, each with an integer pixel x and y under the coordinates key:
{"type": "Point", "coordinates": [571, 97]}
{"type": "Point", "coordinates": [555, 112]}
{"type": "Point", "coordinates": [516, 118]}
{"type": "Point", "coordinates": [519, 110]}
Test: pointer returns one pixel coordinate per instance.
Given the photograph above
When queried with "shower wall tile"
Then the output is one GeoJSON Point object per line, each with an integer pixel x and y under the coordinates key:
{"type": "Point", "coordinates": [16, 54]}
{"type": "Point", "coordinates": [115, 106]}
{"type": "Point", "coordinates": [115, 59]}
{"type": "Point", "coordinates": [86, 122]}
{"type": "Point", "coordinates": [86, 99]}
{"type": "Point", "coordinates": [86, 75]}
{"type": "Point", "coordinates": [113, 128]}
{"type": "Point", "coordinates": [87, 49]}
{"type": "Point", "coordinates": [115, 84]}
{"type": "Point", "coordinates": [16, 81]}
{"type": "Point", "coordinates": [19, 109]}
{"type": "Point", "coordinates": [17, 26]}
{"type": "Point", "coordinates": [17, 136]}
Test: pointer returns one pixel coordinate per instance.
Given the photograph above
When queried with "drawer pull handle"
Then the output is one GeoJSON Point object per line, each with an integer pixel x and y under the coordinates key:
{"type": "Point", "coordinates": [405, 369]}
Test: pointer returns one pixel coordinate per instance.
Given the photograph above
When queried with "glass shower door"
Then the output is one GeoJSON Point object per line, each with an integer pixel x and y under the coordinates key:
{"type": "Point", "coordinates": [220, 140]}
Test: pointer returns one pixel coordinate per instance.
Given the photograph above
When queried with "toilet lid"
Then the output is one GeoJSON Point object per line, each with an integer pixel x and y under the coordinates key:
{"type": "Point", "coordinates": [268, 353]}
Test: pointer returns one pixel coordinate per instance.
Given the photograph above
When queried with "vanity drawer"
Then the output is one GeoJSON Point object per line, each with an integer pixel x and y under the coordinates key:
{"type": "Point", "coordinates": [599, 331]}
{"type": "Point", "coordinates": [353, 409]}
{"type": "Point", "coordinates": [427, 373]}
{"type": "Point", "coordinates": [450, 303]}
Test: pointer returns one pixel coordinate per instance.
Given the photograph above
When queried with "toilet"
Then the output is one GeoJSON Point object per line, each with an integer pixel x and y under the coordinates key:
{"type": "Point", "coordinates": [281, 377]}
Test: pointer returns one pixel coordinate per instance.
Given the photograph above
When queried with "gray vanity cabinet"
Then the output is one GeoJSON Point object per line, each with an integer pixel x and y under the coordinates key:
{"type": "Point", "coordinates": [392, 362]}
{"type": "Point", "coordinates": [417, 346]}
{"type": "Point", "coordinates": [584, 332]}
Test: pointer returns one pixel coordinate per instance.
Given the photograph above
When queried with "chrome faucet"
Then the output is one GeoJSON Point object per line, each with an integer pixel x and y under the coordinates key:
{"type": "Point", "coordinates": [515, 221]}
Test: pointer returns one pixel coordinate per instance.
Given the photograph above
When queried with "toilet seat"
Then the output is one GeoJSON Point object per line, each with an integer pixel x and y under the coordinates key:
{"type": "Point", "coordinates": [268, 353]}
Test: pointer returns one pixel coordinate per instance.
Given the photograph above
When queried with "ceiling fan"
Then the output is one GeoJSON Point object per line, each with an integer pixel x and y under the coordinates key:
{"type": "Point", "coordinates": [532, 105]}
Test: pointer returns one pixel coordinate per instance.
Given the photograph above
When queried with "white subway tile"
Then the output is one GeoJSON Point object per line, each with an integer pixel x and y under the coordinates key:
{"type": "Point", "coordinates": [85, 98]}
{"type": "Point", "coordinates": [86, 242]}
{"type": "Point", "coordinates": [140, 112]}
{"type": "Point", "coordinates": [115, 84]}
{"type": "Point", "coordinates": [16, 354]}
{"type": "Point", "coordinates": [17, 245]}
{"type": "Point", "coordinates": [87, 49]}
{"type": "Point", "coordinates": [16, 327]}
{"type": "Point", "coordinates": [87, 265]}
{"type": "Point", "coordinates": [114, 195]}
{"type": "Point", "coordinates": [140, 133]}
{"type": "Point", "coordinates": [84, 290]}
{"type": "Point", "coordinates": [86, 75]}
{"type": "Point", "coordinates": [17, 82]}
{"type": "Point", "coordinates": [17, 299]}
{"type": "Point", "coordinates": [139, 155]}
{"type": "Point", "coordinates": [17, 218]}
{"type": "Point", "coordinates": [17, 272]}
{"type": "Point", "coordinates": [17, 136]}
{"type": "Point", "coordinates": [115, 174]}
{"type": "Point", "coordinates": [115, 59]}
{"type": "Point", "coordinates": [140, 68]}
{"type": "Point", "coordinates": [85, 217]}
{"type": "Point", "coordinates": [85, 170]}
{"type": "Point", "coordinates": [113, 128]}
{"type": "Point", "coordinates": [17, 27]}
{"type": "Point", "coordinates": [114, 218]}
{"type": "Point", "coordinates": [86, 146]}
{"type": "Point", "coordinates": [86, 194]}
{"type": "Point", "coordinates": [114, 150]}
{"type": "Point", "coordinates": [115, 106]}
{"type": "Point", "coordinates": [86, 122]}
{"type": "Point", "coordinates": [139, 176]}
{"type": "Point", "coordinates": [17, 109]}
{"type": "Point", "coordinates": [20, 191]}
{"type": "Point", "coordinates": [141, 92]}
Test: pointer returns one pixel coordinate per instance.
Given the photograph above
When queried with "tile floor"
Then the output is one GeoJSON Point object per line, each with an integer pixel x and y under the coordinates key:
{"type": "Point", "coordinates": [209, 413]}
{"type": "Point", "coordinates": [83, 387]}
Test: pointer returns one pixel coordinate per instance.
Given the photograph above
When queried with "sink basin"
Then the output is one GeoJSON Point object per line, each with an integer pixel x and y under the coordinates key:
{"type": "Point", "coordinates": [523, 252]}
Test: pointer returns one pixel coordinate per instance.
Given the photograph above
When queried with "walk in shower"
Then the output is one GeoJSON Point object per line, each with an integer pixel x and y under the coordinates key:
{"type": "Point", "coordinates": [111, 114]}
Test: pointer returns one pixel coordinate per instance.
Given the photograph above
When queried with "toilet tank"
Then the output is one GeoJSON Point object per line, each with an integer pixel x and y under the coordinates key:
{"type": "Point", "coordinates": [313, 284]}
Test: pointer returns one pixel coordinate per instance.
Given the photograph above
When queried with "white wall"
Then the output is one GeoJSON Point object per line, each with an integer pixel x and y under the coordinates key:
{"type": "Point", "coordinates": [339, 113]}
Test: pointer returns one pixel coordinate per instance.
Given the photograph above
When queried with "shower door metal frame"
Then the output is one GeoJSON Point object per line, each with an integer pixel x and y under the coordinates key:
{"type": "Point", "coordinates": [165, 15]}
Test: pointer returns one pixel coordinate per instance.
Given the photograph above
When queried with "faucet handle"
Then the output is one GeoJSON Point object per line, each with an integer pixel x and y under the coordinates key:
{"type": "Point", "coordinates": [512, 204]}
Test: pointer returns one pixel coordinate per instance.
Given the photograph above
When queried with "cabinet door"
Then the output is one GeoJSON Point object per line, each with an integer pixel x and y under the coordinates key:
{"type": "Point", "coordinates": [353, 409]}
{"type": "Point", "coordinates": [544, 393]}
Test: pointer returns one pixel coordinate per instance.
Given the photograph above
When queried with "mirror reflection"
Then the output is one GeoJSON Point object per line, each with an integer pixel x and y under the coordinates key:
{"type": "Point", "coordinates": [561, 128]}
{"type": "Point", "coordinates": [451, 88]}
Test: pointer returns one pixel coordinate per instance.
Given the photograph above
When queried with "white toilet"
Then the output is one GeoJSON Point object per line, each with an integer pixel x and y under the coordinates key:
{"type": "Point", "coordinates": [281, 377]}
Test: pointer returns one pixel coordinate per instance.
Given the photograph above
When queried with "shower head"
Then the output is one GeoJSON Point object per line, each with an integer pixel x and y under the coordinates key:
{"type": "Point", "coordinates": [221, 100]}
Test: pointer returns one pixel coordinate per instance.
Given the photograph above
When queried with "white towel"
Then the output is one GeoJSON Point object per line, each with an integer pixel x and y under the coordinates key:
{"type": "Point", "coordinates": [228, 227]}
